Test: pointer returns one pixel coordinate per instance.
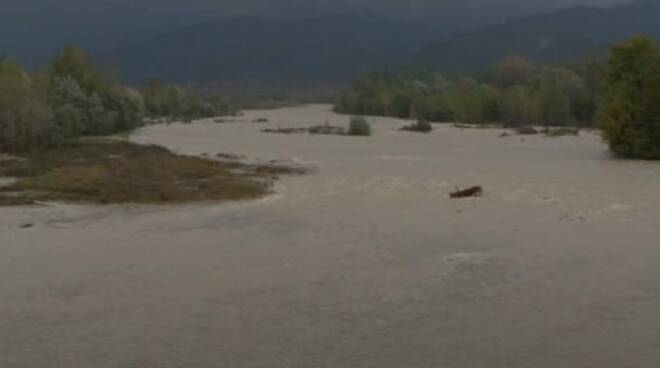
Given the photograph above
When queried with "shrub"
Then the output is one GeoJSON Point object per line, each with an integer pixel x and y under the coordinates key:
{"type": "Point", "coordinates": [359, 126]}
{"type": "Point", "coordinates": [421, 126]}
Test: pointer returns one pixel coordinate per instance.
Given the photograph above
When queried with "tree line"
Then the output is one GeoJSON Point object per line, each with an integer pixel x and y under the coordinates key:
{"type": "Point", "coordinates": [514, 91]}
{"type": "Point", "coordinates": [619, 94]}
{"type": "Point", "coordinates": [73, 97]}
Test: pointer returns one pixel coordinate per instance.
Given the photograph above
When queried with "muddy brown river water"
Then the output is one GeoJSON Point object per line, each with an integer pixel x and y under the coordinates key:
{"type": "Point", "coordinates": [365, 263]}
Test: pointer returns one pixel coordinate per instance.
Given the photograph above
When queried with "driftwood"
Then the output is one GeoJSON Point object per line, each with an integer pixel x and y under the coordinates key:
{"type": "Point", "coordinates": [466, 193]}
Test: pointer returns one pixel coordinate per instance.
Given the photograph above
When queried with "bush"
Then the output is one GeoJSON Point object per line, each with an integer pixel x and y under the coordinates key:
{"type": "Point", "coordinates": [421, 126]}
{"type": "Point", "coordinates": [359, 126]}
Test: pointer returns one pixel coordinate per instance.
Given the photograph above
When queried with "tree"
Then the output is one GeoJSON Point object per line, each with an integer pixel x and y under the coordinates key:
{"type": "Point", "coordinates": [401, 105]}
{"type": "Point", "coordinates": [630, 115]}
{"type": "Point", "coordinates": [124, 110]}
{"type": "Point", "coordinates": [560, 92]}
{"type": "Point", "coordinates": [591, 71]}
{"type": "Point", "coordinates": [554, 90]}
{"type": "Point", "coordinates": [475, 103]}
{"type": "Point", "coordinates": [179, 102]}
{"type": "Point", "coordinates": [490, 103]}
{"type": "Point", "coordinates": [86, 101]}
{"type": "Point", "coordinates": [72, 62]}
{"type": "Point", "coordinates": [464, 102]}
{"type": "Point", "coordinates": [513, 70]}
{"type": "Point", "coordinates": [69, 99]}
{"type": "Point", "coordinates": [25, 120]}
{"type": "Point", "coordinates": [521, 106]}
{"type": "Point", "coordinates": [70, 104]}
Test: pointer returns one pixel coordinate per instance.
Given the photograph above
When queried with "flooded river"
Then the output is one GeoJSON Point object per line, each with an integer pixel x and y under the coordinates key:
{"type": "Point", "coordinates": [364, 263]}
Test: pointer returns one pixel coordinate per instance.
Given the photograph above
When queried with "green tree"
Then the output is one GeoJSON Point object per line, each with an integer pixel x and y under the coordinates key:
{"type": "Point", "coordinates": [630, 115]}
{"type": "Point", "coordinates": [72, 62]}
{"type": "Point", "coordinates": [179, 102]}
{"type": "Point", "coordinates": [559, 91]}
{"type": "Point", "coordinates": [464, 101]}
{"type": "Point", "coordinates": [521, 106]}
{"type": "Point", "coordinates": [490, 103]}
{"type": "Point", "coordinates": [591, 71]}
{"type": "Point", "coordinates": [25, 120]}
{"type": "Point", "coordinates": [87, 101]}
{"type": "Point", "coordinates": [513, 70]}
{"type": "Point", "coordinates": [70, 105]}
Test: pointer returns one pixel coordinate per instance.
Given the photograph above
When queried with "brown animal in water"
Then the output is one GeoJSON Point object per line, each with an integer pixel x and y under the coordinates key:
{"type": "Point", "coordinates": [477, 191]}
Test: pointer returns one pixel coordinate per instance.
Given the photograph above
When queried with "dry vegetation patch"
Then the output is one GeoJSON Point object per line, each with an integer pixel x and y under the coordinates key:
{"type": "Point", "coordinates": [112, 171]}
{"type": "Point", "coordinates": [478, 126]}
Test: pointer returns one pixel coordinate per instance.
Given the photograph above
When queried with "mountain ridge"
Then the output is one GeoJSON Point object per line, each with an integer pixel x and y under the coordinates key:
{"type": "Point", "coordinates": [330, 47]}
{"type": "Point", "coordinates": [557, 36]}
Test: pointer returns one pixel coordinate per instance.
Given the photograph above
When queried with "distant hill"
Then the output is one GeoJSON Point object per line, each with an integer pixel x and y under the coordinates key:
{"type": "Point", "coordinates": [556, 36]}
{"type": "Point", "coordinates": [31, 31]}
{"type": "Point", "coordinates": [324, 48]}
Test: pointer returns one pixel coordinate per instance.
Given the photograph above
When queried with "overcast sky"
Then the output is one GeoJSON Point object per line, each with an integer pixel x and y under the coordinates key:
{"type": "Point", "coordinates": [29, 25]}
{"type": "Point", "coordinates": [32, 9]}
